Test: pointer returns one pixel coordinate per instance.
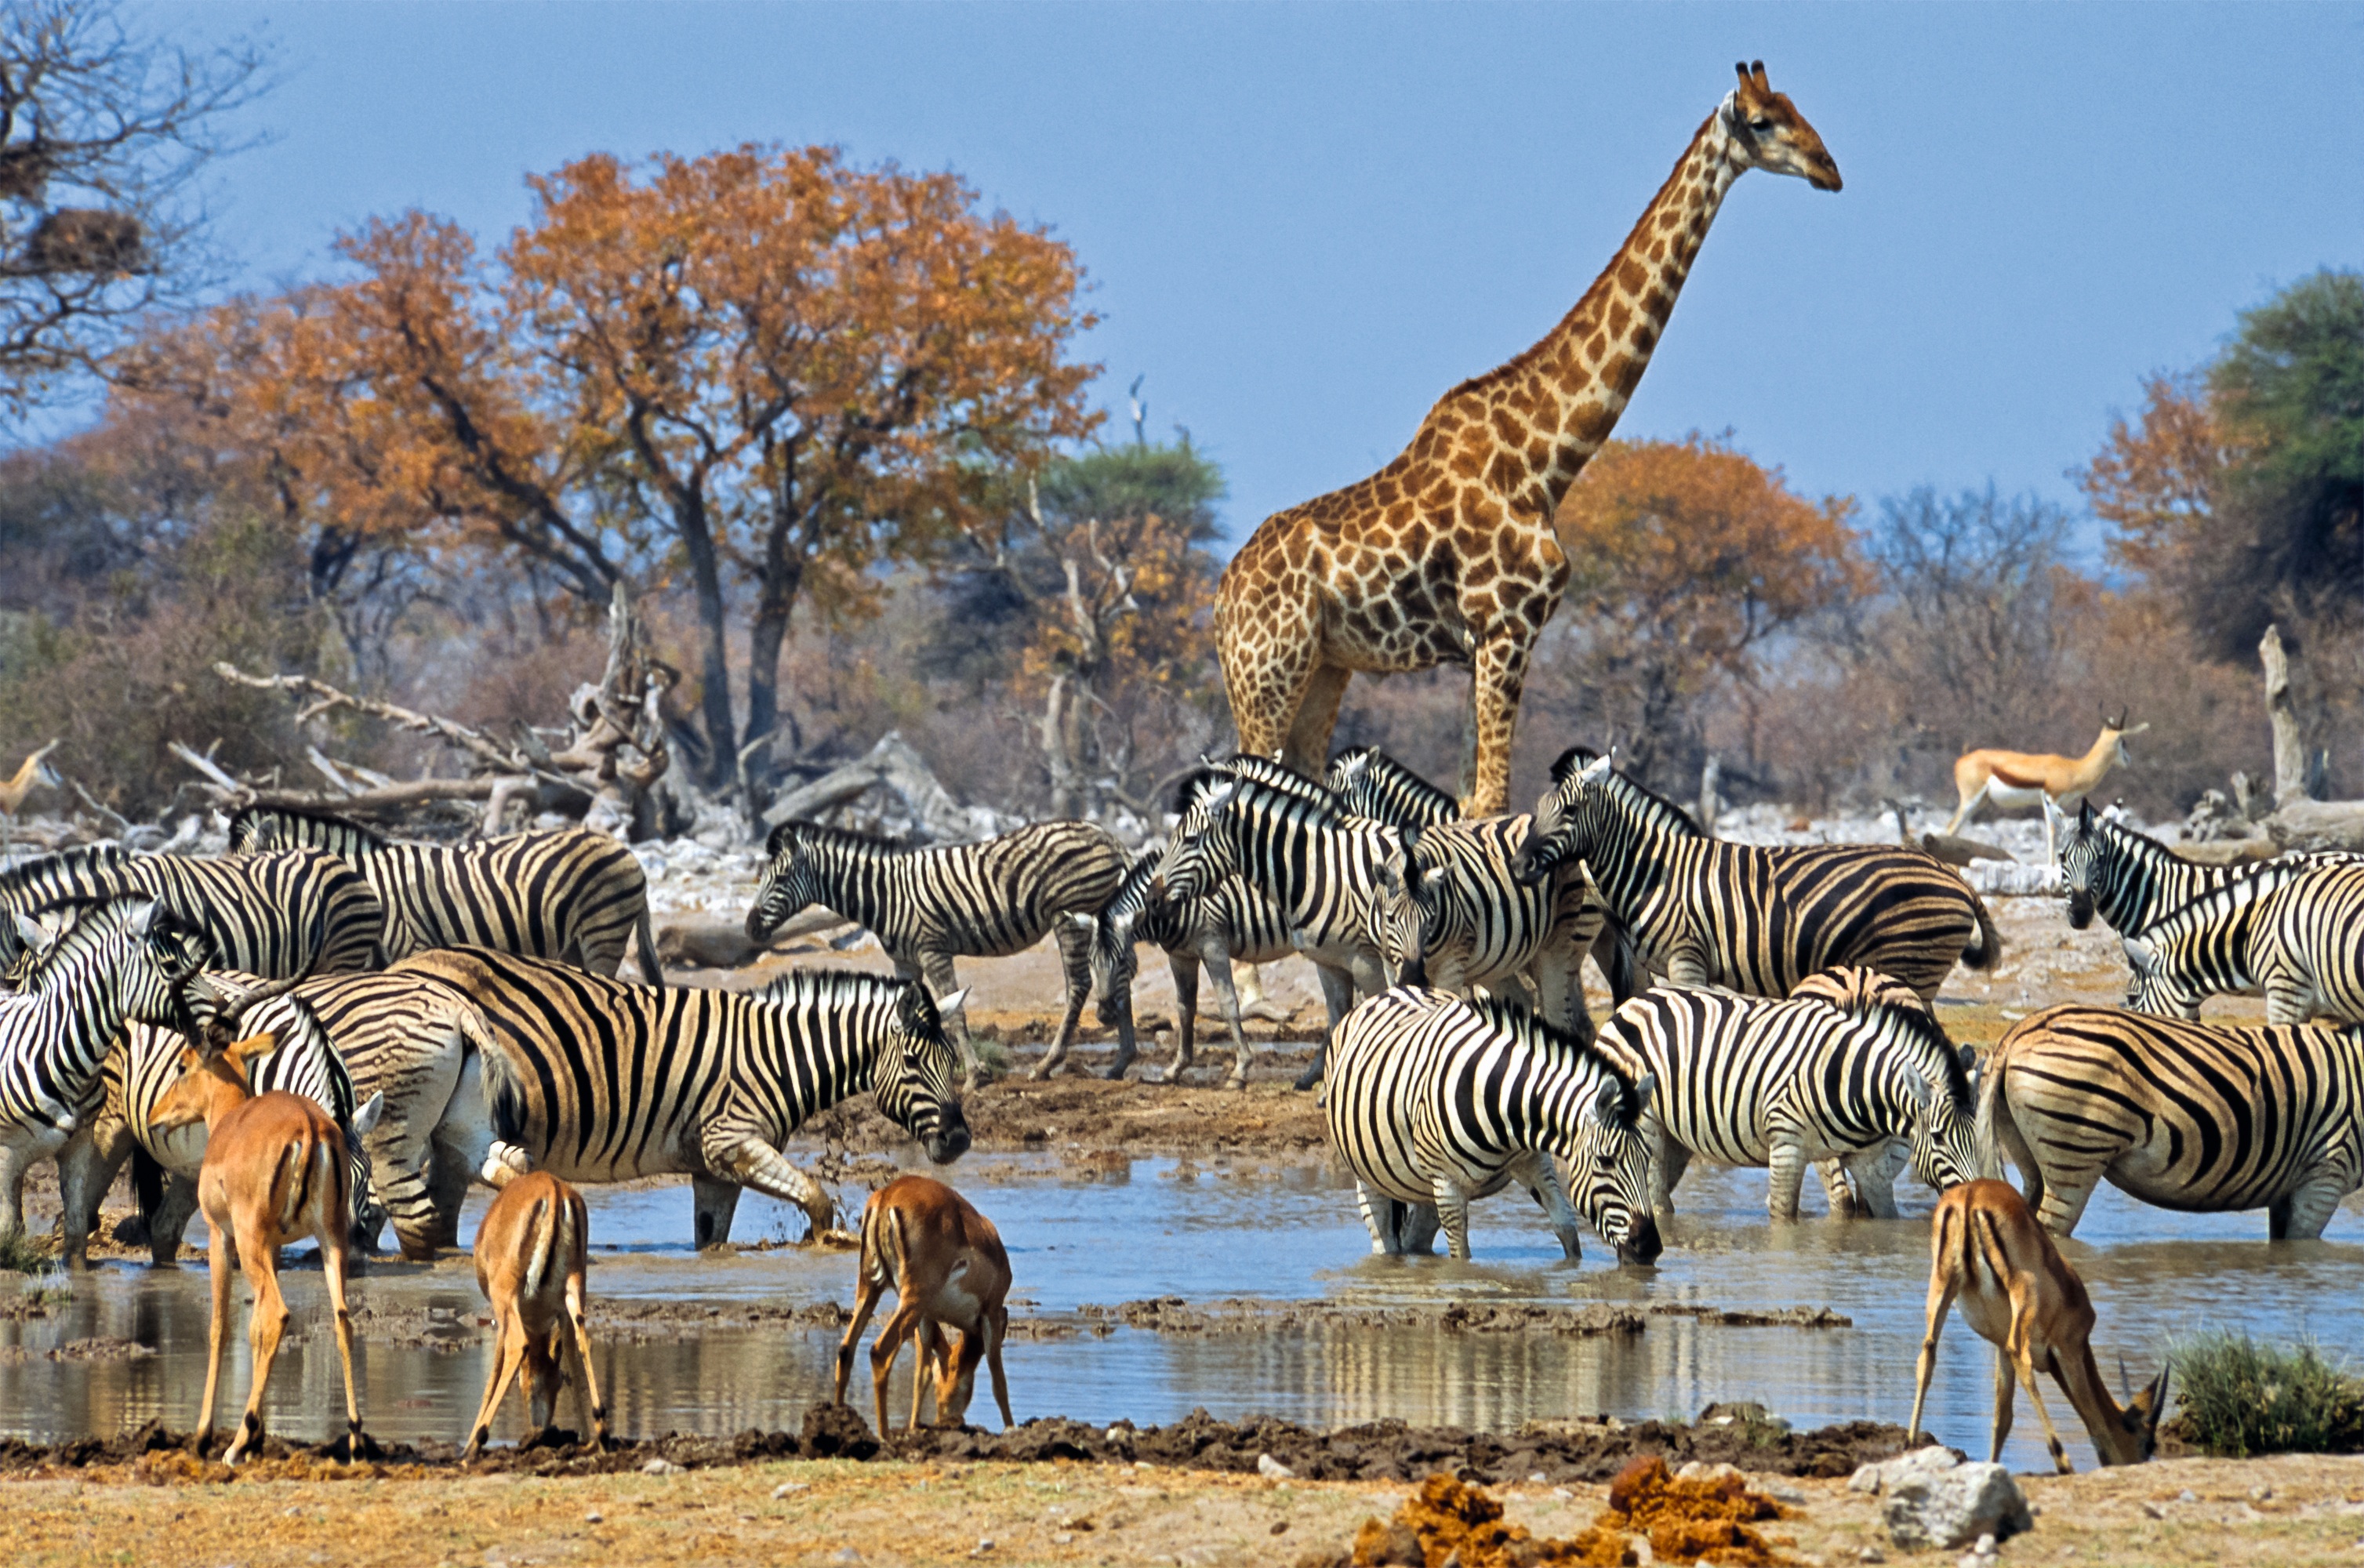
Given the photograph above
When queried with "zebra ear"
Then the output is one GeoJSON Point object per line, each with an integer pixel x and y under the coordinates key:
{"type": "Point", "coordinates": [1607, 1101]}
{"type": "Point", "coordinates": [1645, 1087]}
{"type": "Point", "coordinates": [29, 933]}
{"type": "Point", "coordinates": [2141, 957]}
{"type": "Point", "coordinates": [140, 915]}
{"type": "Point", "coordinates": [950, 1000]}
{"type": "Point", "coordinates": [1432, 881]}
{"type": "Point", "coordinates": [365, 1119]}
{"type": "Point", "coordinates": [1565, 766]}
{"type": "Point", "coordinates": [1089, 922]}
{"type": "Point", "coordinates": [780, 837]}
{"type": "Point", "coordinates": [1969, 1059]}
{"type": "Point", "coordinates": [1598, 766]}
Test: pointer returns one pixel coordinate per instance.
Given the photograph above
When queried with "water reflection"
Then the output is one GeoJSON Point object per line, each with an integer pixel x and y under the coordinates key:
{"type": "Point", "coordinates": [1290, 1234]}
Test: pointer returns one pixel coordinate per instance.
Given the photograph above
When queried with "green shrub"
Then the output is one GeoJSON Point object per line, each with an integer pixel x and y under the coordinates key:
{"type": "Point", "coordinates": [21, 1254]}
{"type": "Point", "coordinates": [2239, 1398]}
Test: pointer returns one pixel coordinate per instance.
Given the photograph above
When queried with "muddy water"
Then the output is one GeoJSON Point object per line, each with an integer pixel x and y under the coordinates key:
{"type": "Point", "coordinates": [1153, 1229]}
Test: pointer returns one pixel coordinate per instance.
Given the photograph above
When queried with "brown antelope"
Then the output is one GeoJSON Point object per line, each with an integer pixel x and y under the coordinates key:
{"type": "Point", "coordinates": [531, 1252]}
{"type": "Point", "coordinates": [946, 1263]}
{"type": "Point", "coordinates": [13, 792]}
{"type": "Point", "coordinates": [2019, 1293]}
{"type": "Point", "coordinates": [2021, 779]}
{"type": "Point", "coordinates": [276, 1171]}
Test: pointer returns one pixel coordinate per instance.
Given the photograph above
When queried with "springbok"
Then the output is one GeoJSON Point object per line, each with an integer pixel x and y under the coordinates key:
{"type": "Point", "coordinates": [532, 1252]}
{"type": "Point", "coordinates": [13, 791]}
{"type": "Point", "coordinates": [2021, 779]}
{"type": "Point", "coordinates": [276, 1171]}
{"type": "Point", "coordinates": [946, 1263]}
{"type": "Point", "coordinates": [2021, 1296]}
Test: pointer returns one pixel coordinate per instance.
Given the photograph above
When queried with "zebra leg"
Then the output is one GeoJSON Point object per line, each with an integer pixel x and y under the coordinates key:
{"type": "Point", "coordinates": [1075, 959]}
{"type": "Point", "coordinates": [1787, 1173]}
{"type": "Point", "coordinates": [14, 1164]}
{"type": "Point", "coordinates": [1379, 1212]}
{"type": "Point", "coordinates": [2301, 1216]}
{"type": "Point", "coordinates": [1337, 1000]}
{"type": "Point", "coordinates": [1541, 1178]}
{"type": "Point", "coordinates": [1453, 1214]}
{"type": "Point", "coordinates": [1667, 1168]}
{"type": "Point", "coordinates": [77, 1161]}
{"type": "Point", "coordinates": [2065, 1193]}
{"type": "Point", "coordinates": [715, 1201]}
{"type": "Point", "coordinates": [168, 1225]}
{"type": "Point", "coordinates": [1873, 1174]}
{"type": "Point", "coordinates": [1416, 1230]}
{"type": "Point", "coordinates": [1841, 1196]}
{"type": "Point", "coordinates": [739, 1154]}
{"type": "Point", "coordinates": [1227, 996]}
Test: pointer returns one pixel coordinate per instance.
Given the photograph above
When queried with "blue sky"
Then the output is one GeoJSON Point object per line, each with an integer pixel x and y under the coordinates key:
{"type": "Point", "coordinates": [1304, 222]}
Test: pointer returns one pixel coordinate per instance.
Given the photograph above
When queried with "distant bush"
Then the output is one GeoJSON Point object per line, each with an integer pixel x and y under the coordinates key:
{"type": "Point", "coordinates": [21, 1254]}
{"type": "Point", "coordinates": [2240, 1397]}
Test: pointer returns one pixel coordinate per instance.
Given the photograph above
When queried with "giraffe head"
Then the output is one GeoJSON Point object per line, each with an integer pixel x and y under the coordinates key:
{"type": "Point", "coordinates": [1767, 132]}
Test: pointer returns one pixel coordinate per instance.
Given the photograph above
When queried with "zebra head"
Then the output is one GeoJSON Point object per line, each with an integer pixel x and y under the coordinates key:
{"type": "Point", "coordinates": [2081, 855]}
{"type": "Point", "coordinates": [154, 954]}
{"type": "Point", "coordinates": [789, 885]}
{"type": "Point", "coordinates": [2152, 984]}
{"type": "Point", "coordinates": [1565, 822]}
{"type": "Point", "coordinates": [1200, 852]}
{"type": "Point", "coordinates": [1407, 916]}
{"type": "Point", "coordinates": [1609, 1167]}
{"type": "Point", "coordinates": [915, 1071]}
{"type": "Point", "coordinates": [1114, 963]}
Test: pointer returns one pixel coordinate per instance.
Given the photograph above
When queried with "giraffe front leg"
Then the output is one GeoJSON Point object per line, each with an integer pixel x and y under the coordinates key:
{"type": "Point", "coordinates": [1498, 674]}
{"type": "Point", "coordinates": [1308, 749]}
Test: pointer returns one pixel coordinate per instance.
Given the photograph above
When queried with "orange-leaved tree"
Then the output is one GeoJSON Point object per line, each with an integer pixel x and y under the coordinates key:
{"type": "Point", "coordinates": [1687, 555]}
{"type": "Point", "coordinates": [765, 367]}
{"type": "Point", "coordinates": [2155, 479]}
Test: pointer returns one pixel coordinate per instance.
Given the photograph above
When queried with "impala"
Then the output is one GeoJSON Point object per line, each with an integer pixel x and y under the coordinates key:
{"type": "Point", "coordinates": [946, 1263]}
{"type": "Point", "coordinates": [2021, 1296]}
{"type": "Point", "coordinates": [275, 1172]}
{"type": "Point", "coordinates": [532, 1251]}
{"type": "Point", "coordinates": [2021, 779]}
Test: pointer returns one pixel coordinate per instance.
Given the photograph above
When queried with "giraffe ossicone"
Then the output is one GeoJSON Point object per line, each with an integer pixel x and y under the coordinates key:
{"type": "Point", "coordinates": [1448, 555]}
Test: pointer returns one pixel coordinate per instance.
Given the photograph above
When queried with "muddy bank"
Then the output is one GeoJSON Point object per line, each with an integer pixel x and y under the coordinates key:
{"type": "Point", "coordinates": [1378, 1451]}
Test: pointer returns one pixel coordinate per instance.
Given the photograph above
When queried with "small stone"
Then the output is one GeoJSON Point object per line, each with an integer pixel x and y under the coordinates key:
{"type": "Point", "coordinates": [1698, 1470]}
{"type": "Point", "coordinates": [595, 1518]}
{"type": "Point", "coordinates": [1985, 1546]}
{"type": "Point", "coordinates": [660, 1466]}
{"type": "Point", "coordinates": [1143, 1464]}
{"type": "Point", "coordinates": [2189, 1496]}
{"type": "Point", "coordinates": [2153, 1511]}
{"type": "Point", "coordinates": [845, 1554]}
{"type": "Point", "coordinates": [789, 1489]}
{"type": "Point", "coordinates": [1954, 1507]}
{"type": "Point", "coordinates": [984, 1545]}
{"type": "Point", "coordinates": [1537, 1479]}
{"type": "Point", "coordinates": [1871, 1554]}
{"type": "Point", "coordinates": [2259, 1494]}
{"type": "Point", "coordinates": [1063, 1538]}
{"type": "Point", "coordinates": [1561, 1494]}
{"type": "Point", "coordinates": [1789, 1495]}
{"type": "Point", "coordinates": [1272, 1469]}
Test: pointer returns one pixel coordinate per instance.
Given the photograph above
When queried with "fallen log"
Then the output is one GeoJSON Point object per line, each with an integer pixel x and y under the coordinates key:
{"type": "Point", "coordinates": [712, 942]}
{"type": "Point", "coordinates": [2308, 826]}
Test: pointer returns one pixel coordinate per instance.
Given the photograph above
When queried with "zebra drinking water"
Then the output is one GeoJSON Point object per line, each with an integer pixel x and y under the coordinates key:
{"type": "Point", "coordinates": [1435, 1101]}
{"type": "Point", "coordinates": [1844, 1068]}
{"type": "Point", "coordinates": [927, 906]}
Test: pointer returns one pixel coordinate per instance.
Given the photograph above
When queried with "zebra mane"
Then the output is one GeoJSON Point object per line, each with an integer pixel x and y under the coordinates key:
{"type": "Point", "coordinates": [823, 833]}
{"type": "Point", "coordinates": [1381, 776]}
{"type": "Point", "coordinates": [246, 825]}
{"type": "Point", "coordinates": [1311, 804]}
{"type": "Point", "coordinates": [1132, 894]}
{"type": "Point", "coordinates": [1654, 808]}
{"type": "Point", "coordinates": [1277, 777]}
{"type": "Point", "coordinates": [827, 988]}
{"type": "Point", "coordinates": [2245, 886]}
{"type": "Point", "coordinates": [1513, 1017]}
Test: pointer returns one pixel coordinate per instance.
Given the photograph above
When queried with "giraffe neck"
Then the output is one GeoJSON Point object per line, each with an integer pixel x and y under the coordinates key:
{"type": "Point", "coordinates": [1570, 387]}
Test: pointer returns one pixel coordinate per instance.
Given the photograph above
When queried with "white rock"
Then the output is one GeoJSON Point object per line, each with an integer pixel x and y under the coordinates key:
{"type": "Point", "coordinates": [594, 1516]}
{"type": "Point", "coordinates": [1698, 1470]}
{"type": "Point", "coordinates": [789, 1489]}
{"type": "Point", "coordinates": [660, 1466]}
{"type": "Point", "coordinates": [1878, 1478]}
{"type": "Point", "coordinates": [1954, 1507]}
{"type": "Point", "coordinates": [1268, 1466]}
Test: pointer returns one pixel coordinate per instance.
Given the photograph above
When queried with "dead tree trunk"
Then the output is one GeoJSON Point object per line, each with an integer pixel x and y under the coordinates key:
{"type": "Point", "coordinates": [2282, 711]}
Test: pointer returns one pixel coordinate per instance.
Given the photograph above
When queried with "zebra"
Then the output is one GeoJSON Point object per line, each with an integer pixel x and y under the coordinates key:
{"type": "Point", "coordinates": [1847, 1066]}
{"type": "Point", "coordinates": [926, 905]}
{"type": "Point", "coordinates": [130, 959]}
{"type": "Point", "coordinates": [1437, 1101]}
{"type": "Point", "coordinates": [1234, 924]}
{"type": "Point", "coordinates": [1449, 914]}
{"type": "Point", "coordinates": [165, 1163]}
{"type": "Point", "coordinates": [2204, 948]}
{"type": "Point", "coordinates": [2132, 880]}
{"type": "Point", "coordinates": [2180, 1114]}
{"type": "Point", "coordinates": [571, 895]}
{"type": "Point", "coordinates": [2306, 952]}
{"type": "Point", "coordinates": [1754, 919]}
{"type": "Point", "coordinates": [1294, 846]}
{"type": "Point", "coordinates": [593, 1080]}
{"type": "Point", "coordinates": [1370, 783]}
{"type": "Point", "coordinates": [293, 912]}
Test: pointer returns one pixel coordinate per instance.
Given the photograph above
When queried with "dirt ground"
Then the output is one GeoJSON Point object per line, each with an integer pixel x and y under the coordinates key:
{"type": "Point", "coordinates": [2275, 1512]}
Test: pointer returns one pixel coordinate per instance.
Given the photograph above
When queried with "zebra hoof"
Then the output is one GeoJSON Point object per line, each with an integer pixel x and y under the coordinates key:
{"type": "Point", "coordinates": [1236, 1081]}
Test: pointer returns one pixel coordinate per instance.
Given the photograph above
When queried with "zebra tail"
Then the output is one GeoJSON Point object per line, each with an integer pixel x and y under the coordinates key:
{"type": "Point", "coordinates": [652, 969]}
{"type": "Point", "coordinates": [147, 1183]}
{"type": "Point", "coordinates": [1993, 1118]}
{"type": "Point", "coordinates": [546, 1227]}
{"type": "Point", "coordinates": [1990, 949]}
{"type": "Point", "coordinates": [505, 1086]}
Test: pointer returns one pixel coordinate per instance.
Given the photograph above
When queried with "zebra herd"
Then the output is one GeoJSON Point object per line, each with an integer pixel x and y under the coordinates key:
{"type": "Point", "coordinates": [1774, 1006]}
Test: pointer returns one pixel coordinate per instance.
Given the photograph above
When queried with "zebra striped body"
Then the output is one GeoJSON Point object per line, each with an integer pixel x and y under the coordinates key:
{"type": "Point", "coordinates": [1838, 1071]}
{"type": "Point", "coordinates": [2128, 878]}
{"type": "Point", "coordinates": [1436, 1101]}
{"type": "Point", "coordinates": [1319, 866]}
{"type": "Point", "coordinates": [148, 1063]}
{"type": "Point", "coordinates": [1232, 924]}
{"type": "Point", "coordinates": [573, 894]}
{"type": "Point", "coordinates": [1369, 783]}
{"type": "Point", "coordinates": [2204, 948]}
{"type": "Point", "coordinates": [1450, 915]}
{"type": "Point", "coordinates": [1754, 919]}
{"type": "Point", "coordinates": [2180, 1115]}
{"type": "Point", "coordinates": [593, 1080]}
{"type": "Point", "coordinates": [129, 960]}
{"type": "Point", "coordinates": [982, 900]}
{"type": "Point", "coordinates": [267, 915]}
{"type": "Point", "coordinates": [2308, 952]}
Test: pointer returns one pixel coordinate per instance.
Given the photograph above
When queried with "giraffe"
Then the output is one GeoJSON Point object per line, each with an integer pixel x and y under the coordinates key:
{"type": "Point", "coordinates": [1447, 554]}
